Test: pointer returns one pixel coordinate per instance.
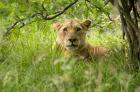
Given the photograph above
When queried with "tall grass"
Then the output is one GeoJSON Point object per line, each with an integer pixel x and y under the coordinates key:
{"type": "Point", "coordinates": [29, 63]}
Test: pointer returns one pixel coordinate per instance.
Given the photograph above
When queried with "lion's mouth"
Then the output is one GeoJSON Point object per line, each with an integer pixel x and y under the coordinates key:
{"type": "Point", "coordinates": [72, 45]}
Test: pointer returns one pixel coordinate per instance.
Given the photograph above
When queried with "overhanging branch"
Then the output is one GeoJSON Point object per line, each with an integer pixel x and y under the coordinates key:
{"type": "Point", "coordinates": [40, 15]}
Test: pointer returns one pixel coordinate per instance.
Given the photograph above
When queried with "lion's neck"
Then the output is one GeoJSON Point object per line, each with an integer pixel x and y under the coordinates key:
{"type": "Point", "coordinates": [82, 51]}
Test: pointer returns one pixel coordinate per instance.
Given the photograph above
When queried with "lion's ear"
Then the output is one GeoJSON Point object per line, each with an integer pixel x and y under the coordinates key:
{"type": "Point", "coordinates": [57, 26]}
{"type": "Point", "coordinates": [86, 23]}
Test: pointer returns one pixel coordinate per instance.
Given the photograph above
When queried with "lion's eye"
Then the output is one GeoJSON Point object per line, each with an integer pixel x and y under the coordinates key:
{"type": "Point", "coordinates": [78, 29]}
{"type": "Point", "coordinates": [65, 29]}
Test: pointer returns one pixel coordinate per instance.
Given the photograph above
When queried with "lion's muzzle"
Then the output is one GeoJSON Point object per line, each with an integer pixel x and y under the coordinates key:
{"type": "Point", "coordinates": [72, 43]}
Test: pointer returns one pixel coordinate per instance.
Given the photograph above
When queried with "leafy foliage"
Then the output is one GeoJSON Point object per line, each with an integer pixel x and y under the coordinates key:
{"type": "Point", "coordinates": [29, 62]}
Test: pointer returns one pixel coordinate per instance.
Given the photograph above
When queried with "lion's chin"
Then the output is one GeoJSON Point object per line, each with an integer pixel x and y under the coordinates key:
{"type": "Point", "coordinates": [72, 47]}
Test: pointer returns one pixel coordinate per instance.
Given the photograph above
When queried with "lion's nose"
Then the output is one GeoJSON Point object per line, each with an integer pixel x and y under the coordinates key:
{"type": "Point", "coordinates": [72, 40]}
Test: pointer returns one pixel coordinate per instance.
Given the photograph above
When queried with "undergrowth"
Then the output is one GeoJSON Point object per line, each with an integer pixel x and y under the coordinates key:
{"type": "Point", "coordinates": [30, 63]}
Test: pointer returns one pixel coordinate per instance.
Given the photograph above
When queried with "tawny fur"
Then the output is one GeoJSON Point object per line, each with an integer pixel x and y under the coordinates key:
{"type": "Point", "coordinates": [76, 31]}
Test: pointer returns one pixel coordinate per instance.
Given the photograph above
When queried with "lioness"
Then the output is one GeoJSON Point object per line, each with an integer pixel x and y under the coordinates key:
{"type": "Point", "coordinates": [71, 36]}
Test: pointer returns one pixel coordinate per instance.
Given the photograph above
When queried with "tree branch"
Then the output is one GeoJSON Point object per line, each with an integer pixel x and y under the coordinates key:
{"type": "Point", "coordinates": [39, 15]}
{"type": "Point", "coordinates": [98, 8]}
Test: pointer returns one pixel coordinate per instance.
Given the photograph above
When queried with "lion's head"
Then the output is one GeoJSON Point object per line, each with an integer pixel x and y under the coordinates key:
{"type": "Point", "coordinates": [71, 33]}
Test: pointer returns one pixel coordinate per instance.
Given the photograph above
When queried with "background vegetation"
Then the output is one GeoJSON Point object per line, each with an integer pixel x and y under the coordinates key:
{"type": "Point", "coordinates": [30, 63]}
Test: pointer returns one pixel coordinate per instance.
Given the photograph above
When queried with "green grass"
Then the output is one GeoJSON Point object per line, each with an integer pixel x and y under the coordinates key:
{"type": "Point", "coordinates": [30, 63]}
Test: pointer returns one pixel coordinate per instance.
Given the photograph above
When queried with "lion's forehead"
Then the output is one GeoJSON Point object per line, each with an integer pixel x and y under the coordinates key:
{"type": "Point", "coordinates": [71, 23]}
